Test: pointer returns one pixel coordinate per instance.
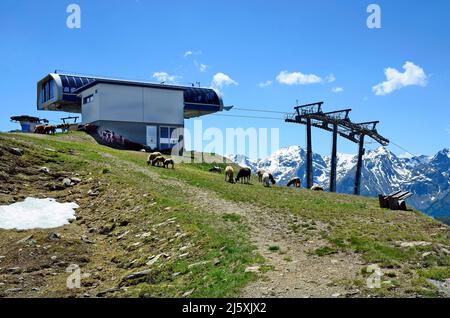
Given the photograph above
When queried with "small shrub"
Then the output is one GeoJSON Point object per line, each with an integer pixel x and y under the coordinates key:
{"type": "Point", "coordinates": [231, 217]}
{"type": "Point", "coordinates": [437, 273]}
{"type": "Point", "coordinates": [325, 250]}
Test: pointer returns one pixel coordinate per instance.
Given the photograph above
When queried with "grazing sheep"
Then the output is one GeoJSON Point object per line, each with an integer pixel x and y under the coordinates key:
{"type": "Point", "coordinates": [316, 188]}
{"type": "Point", "coordinates": [268, 178]}
{"type": "Point", "coordinates": [158, 161]}
{"type": "Point", "coordinates": [244, 175]}
{"type": "Point", "coordinates": [260, 175]}
{"type": "Point", "coordinates": [39, 129]}
{"type": "Point", "coordinates": [50, 130]}
{"type": "Point", "coordinates": [229, 174]}
{"type": "Point", "coordinates": [64, 127]}
{"type": "Point", "coordinates": [296, 182]}
{"type": "Point", "coordinates": [168, 162]}
{"type": "Point", "coordinates": [216, 169]}
{"type": "Point", "coordinates": [152, 156]}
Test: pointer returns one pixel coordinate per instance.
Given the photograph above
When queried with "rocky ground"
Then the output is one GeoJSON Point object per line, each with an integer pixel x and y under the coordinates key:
{"type": "Point", "coordinates": [295, 272]}
{"type": "Point", "coordinates": [126, 234]}
{"type": "Point", "coordinates": [140, 233]}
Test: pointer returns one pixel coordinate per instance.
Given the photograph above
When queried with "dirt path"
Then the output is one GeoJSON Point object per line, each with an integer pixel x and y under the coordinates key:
{"type": "Point", "coordinates": [295, 271]}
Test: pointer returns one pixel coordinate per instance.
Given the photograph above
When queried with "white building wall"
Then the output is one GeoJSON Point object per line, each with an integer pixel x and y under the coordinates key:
{"type": "Point", "coordinates": [90, 112]}
{"type": "Point", "coordinates": [121, 103]}
{"type": "Point", "coordinates": [133, 104]}
{"type": "Point", "coordinates": [163, 106]}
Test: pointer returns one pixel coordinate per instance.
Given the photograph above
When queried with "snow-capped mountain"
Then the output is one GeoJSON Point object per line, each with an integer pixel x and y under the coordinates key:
{"type": "Point", "coordinates": [383, 172]}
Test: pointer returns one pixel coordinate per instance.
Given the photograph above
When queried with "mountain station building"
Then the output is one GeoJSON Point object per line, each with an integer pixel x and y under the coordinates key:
{"type": "Point", "coordinates": [141, 112]}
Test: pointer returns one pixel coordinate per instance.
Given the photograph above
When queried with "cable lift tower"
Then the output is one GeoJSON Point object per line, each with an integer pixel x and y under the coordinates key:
{"type": "Point", "coordinates": [338, 123]}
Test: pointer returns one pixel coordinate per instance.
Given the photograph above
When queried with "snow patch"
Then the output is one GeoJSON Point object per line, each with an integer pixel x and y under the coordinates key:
{"type": "Point", "coordinates": [36, 214]}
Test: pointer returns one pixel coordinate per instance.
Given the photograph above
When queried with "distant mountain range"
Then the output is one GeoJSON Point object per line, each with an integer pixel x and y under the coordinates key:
{"type": "Point", "coordinates": [428, 177]}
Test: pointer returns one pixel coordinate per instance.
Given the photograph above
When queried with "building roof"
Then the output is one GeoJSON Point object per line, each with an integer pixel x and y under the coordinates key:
{"type": "Point", "coordinates": [72, 83]}
{"type": "Point", "coordinates": [198, 101]}
{"type": "Point", "coordinates": [26, 118]}
{"type": "Point", "coordinates": [192, 95]}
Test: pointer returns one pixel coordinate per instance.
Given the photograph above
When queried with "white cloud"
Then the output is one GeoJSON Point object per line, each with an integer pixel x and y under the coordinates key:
{"type": "Point", "coordinates": [337, 89]}
{"type": "Point", "coordinates": [221, 79]}
{"type": "Point", "coordinates": [165, 77]}
{"type": "Point", "coordinates": [201, 67]}
{"type": "Point", "coordinates": [192, 53]}
{"type": "Point", "coordinates": [298, 78]}
{"type": "Point", "coordinates": [412, 75]}
{"type": "Point", "coordinates": [330, 78]}
{"type": "Point", "coordinates": [265, 84]}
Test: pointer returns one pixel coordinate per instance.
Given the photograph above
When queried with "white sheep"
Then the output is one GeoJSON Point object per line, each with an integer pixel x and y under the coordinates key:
{"type": "Point", "coordinates": [229, 174]}
{"type": "Point", "coordinates": [267, 178]}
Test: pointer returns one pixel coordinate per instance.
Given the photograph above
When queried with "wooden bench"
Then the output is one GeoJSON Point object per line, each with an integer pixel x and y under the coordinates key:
{"type": "Point", "coordinates": [395, 200]}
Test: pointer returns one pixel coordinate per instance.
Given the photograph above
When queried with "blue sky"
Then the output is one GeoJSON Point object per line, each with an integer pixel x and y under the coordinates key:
{"type": "Point", "coordinates": [251, 42]}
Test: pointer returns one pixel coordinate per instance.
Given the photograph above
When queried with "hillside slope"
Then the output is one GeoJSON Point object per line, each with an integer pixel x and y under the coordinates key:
{"type": "Point", "coordinates": [153, 232]}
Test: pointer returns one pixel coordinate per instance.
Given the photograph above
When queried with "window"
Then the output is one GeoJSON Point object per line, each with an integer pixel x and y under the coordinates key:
{"type": "Point", "coordinates": [47, 91]}
{"type": "Point", "coordinates": [168, 137]}
{"type": "Point", "coordinates": [88, 99]}
{"type": "Point", "coordinates": [52, 89]}
{"type": "Point", "coordinates": [164, 132]}
{"type": "Point", "coordinates": [71, 83]}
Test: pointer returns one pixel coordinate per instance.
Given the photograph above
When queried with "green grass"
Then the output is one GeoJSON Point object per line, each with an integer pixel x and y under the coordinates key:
{"type": "Point", "coordinates": [325, 250]}
{"type": "Point", "coordinates": [232, 217]}
{"type": "Point", "coordinates": [441, 273]}
{"type": "Point", "coordinates": [348, 223]}
{"type": "Point", "coordinates": [222, 242]}
{"type": "Point", "coordinates": [274, 248]}
{"type": "Point", "coordinates": [355, 223]}
{"type": "Point", "coordinates": [352, 223]}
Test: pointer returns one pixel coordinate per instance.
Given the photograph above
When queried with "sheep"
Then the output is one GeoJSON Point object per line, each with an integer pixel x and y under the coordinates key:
{"type": "Point", "coordinates": [39, 129]}
{"type": "Point", "coordinates": [260, 175]}
{"type": "Point", "coordinates": [316, 188]}
{"type": "Point", "coordinates": [229, 174]}
{"type": "Point", "coordinates": [168, 162]}
{"type": "Point", "coordinates": [158, 161]}
{"type": "Point", "coordinates": [216, 169]}
{"type": "Point", "coordinates": [45, 129]}
{"type": "Point", "coordinates": [244, 174]}
{"type": "Point", "coordinates": [296, 182]}
{"type": "Point", "coordinates": [50, 130]}
{"type": "Point", "coordinates": [152, 156]}
{"type": "Point", "coordinates": [268, 178]}
{"type": "Point", "coordinates": [64, 127]}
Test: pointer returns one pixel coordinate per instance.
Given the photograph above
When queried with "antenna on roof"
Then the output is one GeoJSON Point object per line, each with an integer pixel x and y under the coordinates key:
{"type": "Point", "coordinates": [162, 83]}
{"type": "Point", "coordinates": [198, 84]}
